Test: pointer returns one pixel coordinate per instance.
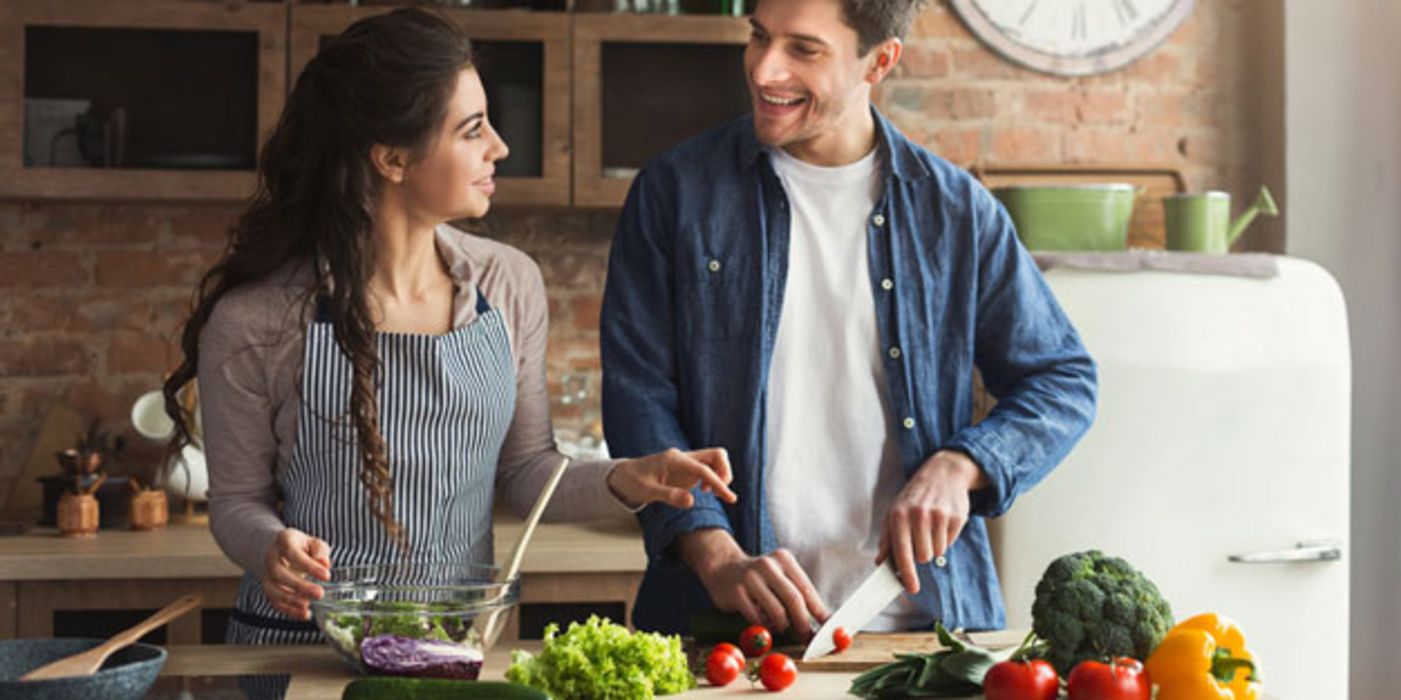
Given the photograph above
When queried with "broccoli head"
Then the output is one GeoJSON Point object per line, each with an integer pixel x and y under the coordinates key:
{"type": "Point", "coordinates": [1092, 606]}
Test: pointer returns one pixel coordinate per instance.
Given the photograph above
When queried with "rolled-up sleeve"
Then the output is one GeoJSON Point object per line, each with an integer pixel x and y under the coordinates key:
{"type": "Point", "coordinates": [1031, 360]}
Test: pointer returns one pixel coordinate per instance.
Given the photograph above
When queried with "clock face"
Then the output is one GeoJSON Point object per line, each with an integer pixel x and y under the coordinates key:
{"type": "Point", "coordinates": [1073, 37]}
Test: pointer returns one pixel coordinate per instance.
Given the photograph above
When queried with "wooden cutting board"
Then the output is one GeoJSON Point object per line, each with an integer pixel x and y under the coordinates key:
{"type": "Point", "coordinates": [871, 649]}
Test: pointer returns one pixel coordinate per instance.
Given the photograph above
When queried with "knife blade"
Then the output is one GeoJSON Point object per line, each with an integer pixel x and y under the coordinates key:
{"type": "Point", "coordinates": [873, 595]}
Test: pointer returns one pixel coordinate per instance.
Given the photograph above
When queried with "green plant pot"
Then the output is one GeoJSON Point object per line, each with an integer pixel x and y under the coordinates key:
{"type": "Point", "coordinates": [1070, 217]}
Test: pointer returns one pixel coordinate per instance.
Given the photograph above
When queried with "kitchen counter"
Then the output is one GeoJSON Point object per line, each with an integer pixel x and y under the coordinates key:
{"type": "Point", "coordinates": [189, 551]}
{"type": "Point", "coordinates": [320, 675]}
{"type": "Point", "coordinates": [42, 575]}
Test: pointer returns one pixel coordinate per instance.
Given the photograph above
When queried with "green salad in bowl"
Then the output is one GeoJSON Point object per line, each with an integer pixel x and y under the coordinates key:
{"type": "Point", "coordinates": [413, 619]}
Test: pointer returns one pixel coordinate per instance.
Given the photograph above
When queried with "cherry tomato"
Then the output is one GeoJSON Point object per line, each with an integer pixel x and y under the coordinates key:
{"type": "Point", "coordinates": [723, 667]}
{"type": "Point", "coordinates": [777, 672]}
{"type": "Point", "coordinates": [1125, 679]}
{"type": "Point", "coordinates": [730, 649]}
{"type": "Point", "coordinates": [756, 641]}
{"type": "Point", "coordinates": [1021, 680]}
{"type": "Point", "coordinates": [841, 639]}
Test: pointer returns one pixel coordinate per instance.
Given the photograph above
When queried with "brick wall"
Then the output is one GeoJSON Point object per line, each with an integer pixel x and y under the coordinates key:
{"type": "Point", "coordinates": [90, 294]}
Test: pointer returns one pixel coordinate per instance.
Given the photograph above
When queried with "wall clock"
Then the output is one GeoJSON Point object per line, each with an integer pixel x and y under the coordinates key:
{"type": "Point", "coordinates": [1073, 37]}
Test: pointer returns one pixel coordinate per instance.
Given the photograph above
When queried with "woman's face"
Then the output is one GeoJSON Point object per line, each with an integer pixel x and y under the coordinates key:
{"type": "Point", "coordinates": [454, 177]}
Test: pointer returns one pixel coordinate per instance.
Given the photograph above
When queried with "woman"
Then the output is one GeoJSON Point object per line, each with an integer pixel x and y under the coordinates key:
{"type": "Point", "coordinates": [377, 371]}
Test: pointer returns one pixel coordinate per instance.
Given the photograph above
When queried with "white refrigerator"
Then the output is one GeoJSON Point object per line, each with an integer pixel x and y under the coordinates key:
{"type": "Point", "coordinates": [1218, 463]}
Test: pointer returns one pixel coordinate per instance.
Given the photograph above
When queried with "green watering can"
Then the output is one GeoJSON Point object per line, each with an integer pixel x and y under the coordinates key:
{"type": "Point", "coordinates": [1200, 222]}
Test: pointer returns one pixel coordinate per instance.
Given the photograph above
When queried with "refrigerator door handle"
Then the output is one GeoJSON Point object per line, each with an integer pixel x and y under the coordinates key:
{"type": "Point", "coordinates": [1302, 552]}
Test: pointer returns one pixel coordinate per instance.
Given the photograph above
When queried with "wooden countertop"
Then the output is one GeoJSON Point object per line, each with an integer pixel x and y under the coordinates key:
{"type": "Point", "coordinates": [189, 551]}
{"type": "Point", "coordinates": [320, 675]}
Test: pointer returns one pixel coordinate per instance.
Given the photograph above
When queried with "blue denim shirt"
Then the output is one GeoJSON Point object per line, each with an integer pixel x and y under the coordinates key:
{"type": "Point", "coordinates": [695, 287]}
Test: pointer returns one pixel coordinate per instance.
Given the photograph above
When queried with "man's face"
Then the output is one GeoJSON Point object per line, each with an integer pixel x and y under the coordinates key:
{"type": "Point", "coordinates": [805, 78]}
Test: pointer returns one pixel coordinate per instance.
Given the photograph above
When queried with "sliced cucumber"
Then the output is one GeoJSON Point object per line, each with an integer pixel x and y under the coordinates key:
{"type": "Point", "coordinates": [712, 627]}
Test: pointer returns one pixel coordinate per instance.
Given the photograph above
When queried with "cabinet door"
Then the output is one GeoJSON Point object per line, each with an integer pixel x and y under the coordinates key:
{"type": "Point", "coordinates": [523, 58]}
{"type": "Point", "coordinates": [137, 101]}
{"type": "Point", "coordinates": [643, 83]}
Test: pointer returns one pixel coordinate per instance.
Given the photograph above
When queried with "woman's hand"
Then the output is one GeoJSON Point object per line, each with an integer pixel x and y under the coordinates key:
{"type": "Point", "coordinates": [669, 476]}
{"type": "Point", "coordinates": [293, 556]}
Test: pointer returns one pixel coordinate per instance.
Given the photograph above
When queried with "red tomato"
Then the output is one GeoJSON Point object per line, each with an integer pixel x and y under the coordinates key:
{"type": "Point", "coordinates": [841, 639]}
{"type": "Point", "coordinates": [1021, 680]}
{"type": "Point", "coordinates": [1124, 680]}
{"type": "Point", "coordinates": [723, 667]}
{"type": "Point", "coordinates": [756, 641]}
{"type": "Point", "coordinates": [730, 649]}
{"type": "Point", "coordinates": [777, 671]}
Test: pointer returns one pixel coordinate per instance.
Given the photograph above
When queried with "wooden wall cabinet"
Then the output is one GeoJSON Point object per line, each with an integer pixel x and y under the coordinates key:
{"type": "Point", "coordinates": [582, 99]}
{"type": "Point", "coordinates": [524, 59]}
{"type": "Point", "coordinates": [645, 82]}
{"type": "Point", "coordinates": [199, 84]}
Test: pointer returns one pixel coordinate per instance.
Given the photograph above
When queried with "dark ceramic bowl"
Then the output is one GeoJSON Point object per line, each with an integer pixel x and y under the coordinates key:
{"type": "Point", "coordinates": [126, 675]}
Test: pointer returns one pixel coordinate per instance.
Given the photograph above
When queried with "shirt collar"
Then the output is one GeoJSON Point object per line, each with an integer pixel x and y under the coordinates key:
{"type": "Point", "coordinates": [895, 150]}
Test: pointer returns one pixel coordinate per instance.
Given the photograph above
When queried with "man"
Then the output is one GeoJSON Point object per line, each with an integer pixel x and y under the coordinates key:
{"type": "Point", "coordinates": [811, 290]}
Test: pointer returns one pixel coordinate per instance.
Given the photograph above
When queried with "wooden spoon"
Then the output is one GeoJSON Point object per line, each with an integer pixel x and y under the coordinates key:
{"type": "Point", "coordinates": [494, 624]}
{"type": "Point", "coordinates": [88, 662]}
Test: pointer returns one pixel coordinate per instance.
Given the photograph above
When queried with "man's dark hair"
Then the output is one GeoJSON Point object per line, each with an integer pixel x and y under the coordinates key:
{"type": "Point", "coordinates": [878, 20]}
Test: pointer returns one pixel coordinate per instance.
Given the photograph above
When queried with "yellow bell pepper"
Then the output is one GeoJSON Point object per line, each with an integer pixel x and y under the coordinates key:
{"type": "Point", "coordinates": [1204, 658]}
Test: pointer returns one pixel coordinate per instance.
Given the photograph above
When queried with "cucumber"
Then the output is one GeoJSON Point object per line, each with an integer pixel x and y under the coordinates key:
{"type": "Point", "coordinates": [389, 688]}
{"type": "Point", "coordinates": [712, 627]}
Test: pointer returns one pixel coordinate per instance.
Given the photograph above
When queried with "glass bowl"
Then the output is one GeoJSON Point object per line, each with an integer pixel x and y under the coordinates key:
{"type": "Point", "coordinates": [415, 618]}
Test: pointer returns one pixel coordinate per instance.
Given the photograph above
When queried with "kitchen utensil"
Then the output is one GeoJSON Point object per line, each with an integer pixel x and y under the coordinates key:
{"type": "Point", "coordinates": [188, 476]}
{"type": "Point", "coordinates": [873, 595]}
{"type": "Point", "coordinates": [1070, 217]}
{"type": "Point", "coordinates": [442, 605]}
{"type": "Point", "coordinates": [127, 675]}
{"type": "Point", "coordinates": [1201, 221]}
{"type": "Point", "coordinates": [1153, 180]}
{"type": "Point", "coordinates": [87, 662]}
{"type": "Point", "coordinates": [49, 137]}
{"type": "Point", "coordinates": [149, 419]}
{"type": "Point", "coordinates": [494, 623]}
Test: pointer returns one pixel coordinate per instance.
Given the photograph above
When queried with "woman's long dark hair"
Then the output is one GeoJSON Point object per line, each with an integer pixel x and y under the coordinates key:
{"type": "Point", "coordinates": [386, 80]}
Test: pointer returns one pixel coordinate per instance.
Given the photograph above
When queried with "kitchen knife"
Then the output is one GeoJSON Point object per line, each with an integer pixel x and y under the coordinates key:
{"type": "Point", "coordinates": [873, 595]}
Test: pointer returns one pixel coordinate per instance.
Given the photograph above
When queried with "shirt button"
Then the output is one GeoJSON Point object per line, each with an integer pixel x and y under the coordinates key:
{"type": "Point", "coordinates": [894, 353]}
{"type": "Point", "coordinates": [878, 219]}
{"type": "Point", "coordinates": [940, 562]}
{"type": "Point", "coordinates": [909, 424]}
{"type": "Point", "coordinates": [714, 266]}
{"type": "Point", "coordinates": [887, 284]}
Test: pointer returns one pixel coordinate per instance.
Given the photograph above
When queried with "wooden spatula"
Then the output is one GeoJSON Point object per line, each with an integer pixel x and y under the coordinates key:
{"type": "Point", "coordinates": [495, 623]}
{"type": "Point", "coordinates": [88, 662]}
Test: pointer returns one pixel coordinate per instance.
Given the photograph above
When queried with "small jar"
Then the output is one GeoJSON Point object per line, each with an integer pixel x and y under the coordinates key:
{"type": "Point", "coordinates": [150, 510]}
{"type": "Point", "coordinates": [77, 515]}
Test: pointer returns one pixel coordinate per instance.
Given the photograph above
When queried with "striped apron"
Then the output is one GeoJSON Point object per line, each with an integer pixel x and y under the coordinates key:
{"type": "Point", "coordinates": [445, 404]}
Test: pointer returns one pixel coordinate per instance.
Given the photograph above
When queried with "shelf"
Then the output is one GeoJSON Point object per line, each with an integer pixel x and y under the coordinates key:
{"type": "Point", "coordinates": [630, 105]}
{"type": "Point", "coordinates": [201, 85]}
{"type": "Point", "coordinates": [180, 95]}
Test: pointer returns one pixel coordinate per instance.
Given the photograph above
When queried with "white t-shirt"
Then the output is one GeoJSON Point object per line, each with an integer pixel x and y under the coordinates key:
{"type": "Point", "coordinates": [832, 466]}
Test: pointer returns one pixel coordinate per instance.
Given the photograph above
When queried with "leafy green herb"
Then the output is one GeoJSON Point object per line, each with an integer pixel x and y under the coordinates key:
{"type": "Point", "coordinates": [957, 670]}
{"type": "Point", "coordinates": [599, 660]}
